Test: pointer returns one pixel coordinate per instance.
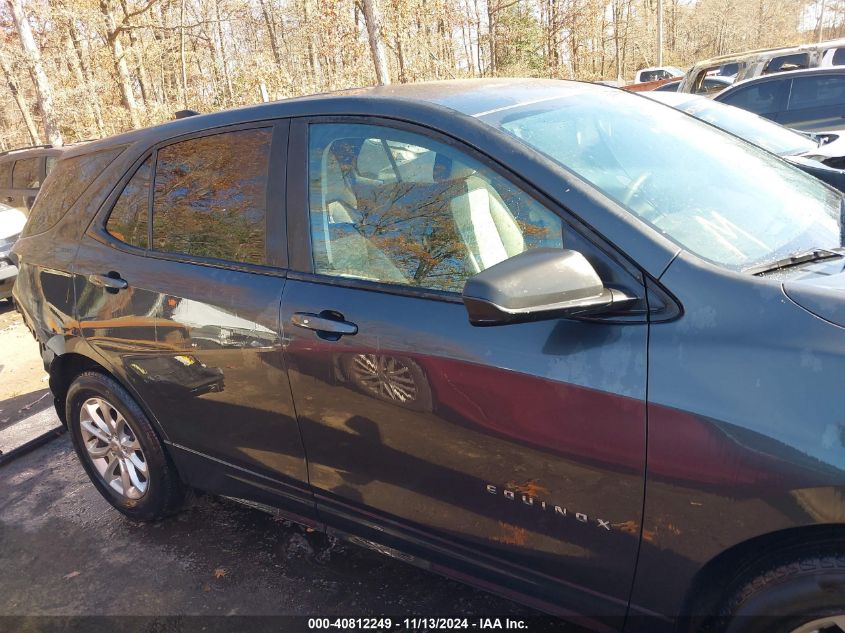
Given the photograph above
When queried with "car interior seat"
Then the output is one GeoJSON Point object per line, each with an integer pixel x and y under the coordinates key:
{"type": "Point", "coordinates": [484, 223]}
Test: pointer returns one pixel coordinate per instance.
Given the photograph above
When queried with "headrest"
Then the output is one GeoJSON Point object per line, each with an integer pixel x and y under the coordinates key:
{"type": "Point", "coordinates": [345, 151]}
{"type": "Point", "coordinates": [447, 169]}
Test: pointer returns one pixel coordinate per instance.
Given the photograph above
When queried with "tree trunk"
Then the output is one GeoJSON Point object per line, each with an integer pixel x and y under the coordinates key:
{"type": "Point", "coordinates": [221, 51]}
{"type": "Point", "coordinates": [22, 105]}
{"type": "Point", "coordinates": [139, 57]}
{"type": "Point", "coordinates": [113, 37]}
{"type": "Point", "coordinates": [183, 68]}
{"type": "Point", "coordinates": [372, 16]}
{"type": "Point", "coordinates": [83, 76]}
{"type": "Point", "coordinates": [271, 31]}
{"type": "Point", "coordinates": [42, 84]}
{"type": "Point", "coordinates": [491, 35]}
{"type": "Point", "coordinates": [313, 60]}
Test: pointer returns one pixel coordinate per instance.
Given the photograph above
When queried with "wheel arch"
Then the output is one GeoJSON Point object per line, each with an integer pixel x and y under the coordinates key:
{"type": "Point", "coordinates": [65, 368]}
{"type": "Point", "coordinates": [721, 576]}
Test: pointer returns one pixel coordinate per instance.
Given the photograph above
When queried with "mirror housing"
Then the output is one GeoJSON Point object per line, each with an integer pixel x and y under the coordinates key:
{"type": "Point", "coordinates": [539, 284]}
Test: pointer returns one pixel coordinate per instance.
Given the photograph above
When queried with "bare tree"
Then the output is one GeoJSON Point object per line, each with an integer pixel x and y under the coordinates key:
{"type": "Point", "coordinates": [22, 105]}
{"type": "Point", "coordinates": [118, 64]}
{"type": "Point", "coordinates": [119, 59]}
{"type": "Point", "coordinates": [372, 16]}
{"type": "Point", "coordinates": [32, 55]}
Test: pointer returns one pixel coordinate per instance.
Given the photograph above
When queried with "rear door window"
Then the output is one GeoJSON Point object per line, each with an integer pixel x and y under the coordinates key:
{"type": "Point", "coordinates": [210, 196]}
{"type": "Point", "coordinates": [728, 70]}
{"type": "Point", "coordinates": [838, 57]}
{"type": "Point", "coordinates": [128, 221]}
{"type": "Point", "coordinates": [765, 97]}
{"type": "Point", "coordinates": [796, 61]}
{"type": "Point", "coordinates": [817, 91]}
{"type": "Point", "coordinates": [653, 75]}
{"type": "Point", "coordinates": [27, 173]}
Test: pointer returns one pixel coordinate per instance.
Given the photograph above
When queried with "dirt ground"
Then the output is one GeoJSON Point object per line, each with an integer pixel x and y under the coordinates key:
{"type": "Point", "coordinates": [23, 382]}
{"type": "Point", "coordinates": [66, 553]}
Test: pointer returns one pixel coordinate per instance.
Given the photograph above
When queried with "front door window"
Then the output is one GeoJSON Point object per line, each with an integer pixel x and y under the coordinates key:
{"type": "Point", "coordinates": [398, 208]}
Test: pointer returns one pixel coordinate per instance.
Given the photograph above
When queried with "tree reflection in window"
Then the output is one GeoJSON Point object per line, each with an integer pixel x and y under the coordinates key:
{"type": "Point", "coordinates": [210, 196]}
{"type": "Point", "coordinates": [128, 219]}
{"type": "Point", "coordinates": [395, 207]}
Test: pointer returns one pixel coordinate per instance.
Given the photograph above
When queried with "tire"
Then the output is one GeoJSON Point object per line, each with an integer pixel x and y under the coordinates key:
{"type": "Point", "coordinates": [129, 445]}
{"type": "Point", "coordinates": [800, 594]}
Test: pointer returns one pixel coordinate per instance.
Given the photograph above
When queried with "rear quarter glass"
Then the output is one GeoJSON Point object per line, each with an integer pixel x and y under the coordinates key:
{"type": "Point", "coordinates": [68, 180]}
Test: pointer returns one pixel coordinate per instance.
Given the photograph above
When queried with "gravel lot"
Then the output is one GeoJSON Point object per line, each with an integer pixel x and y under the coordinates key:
{"type": "Point", "coordinates": [66, 553]}
{"type": "Point", "coordinates": [23, 383]}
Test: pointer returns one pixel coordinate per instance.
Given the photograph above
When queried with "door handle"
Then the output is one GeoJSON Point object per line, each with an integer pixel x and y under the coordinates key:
{"type": "Point", "coordinates": [112, 281]}
{"type": "Point", "coordinates": [328, 324]}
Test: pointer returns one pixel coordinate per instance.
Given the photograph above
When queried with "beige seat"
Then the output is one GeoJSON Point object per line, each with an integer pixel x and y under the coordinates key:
{"type": "Point", "coordinates": [486, 226]}
{"type": "Point", "coordinates": [347, 251]}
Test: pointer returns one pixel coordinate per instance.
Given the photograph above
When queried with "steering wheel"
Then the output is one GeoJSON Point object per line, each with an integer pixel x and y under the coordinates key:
{"type": "Point", "coordinates": [635, 187]}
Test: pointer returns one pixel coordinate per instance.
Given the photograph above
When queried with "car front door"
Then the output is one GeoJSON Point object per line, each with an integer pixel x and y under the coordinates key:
{"type": "Point", "coordinates": [512, 454]}
{"type": "Point", "coordinates": [180, 289]}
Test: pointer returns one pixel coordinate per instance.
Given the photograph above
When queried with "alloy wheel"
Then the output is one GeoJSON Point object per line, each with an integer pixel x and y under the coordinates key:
{"type": "Point", "coordinates": [113, 448]}
{"type": "Point", "coordinates": [384, 376]}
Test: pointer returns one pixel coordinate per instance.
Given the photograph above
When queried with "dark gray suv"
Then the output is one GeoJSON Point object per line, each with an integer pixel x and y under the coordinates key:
{"type": "Point", "coordinates": [21, 173]}
{"type": "Point", "coordinates": [550, 338]}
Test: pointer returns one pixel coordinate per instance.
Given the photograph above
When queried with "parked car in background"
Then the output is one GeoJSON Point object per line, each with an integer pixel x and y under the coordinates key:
{"type": "Point", "coordinates": [657, 72]}
{"type": "Point", "coordinates": [21, 173]}
{"type": "Point", "coordinates": [710, 86]}
{"type": "Point", "coordinates": [809, 100]}
{"type": "Point", "coordinates": [529, 334]}
{"type": "Point", "coordinates": [741, 66]}
{"type": "Point", "coordinates": [815, 156]}
{"type": "Point", "coordinates": [11, 224]}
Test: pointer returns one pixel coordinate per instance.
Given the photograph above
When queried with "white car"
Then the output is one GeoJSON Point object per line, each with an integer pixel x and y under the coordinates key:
{"type": "Point", "coordinates": [656, 73]}
{"type": "Point", "coordinates": [11, 224]}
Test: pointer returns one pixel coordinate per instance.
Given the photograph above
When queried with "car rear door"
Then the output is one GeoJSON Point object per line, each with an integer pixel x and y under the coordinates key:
{"type": "Point", "coordinates": [179, 284]}
{"type": "Point", "coordinates": [767, 98]}
{"type": "Point", "coordinates": [514, 455]}
{"type": "Point", "coordinates": [816, 103]}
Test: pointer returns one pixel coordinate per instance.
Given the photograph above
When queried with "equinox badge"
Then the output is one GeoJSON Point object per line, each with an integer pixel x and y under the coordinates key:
{"type": "Point", "coordinates": [561, 511]}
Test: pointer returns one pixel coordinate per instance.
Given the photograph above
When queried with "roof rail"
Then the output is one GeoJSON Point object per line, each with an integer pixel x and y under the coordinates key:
{"type": "Point", "coordinates": [19, 149]}
{"type": "Point", "coordinates": [184, 114]}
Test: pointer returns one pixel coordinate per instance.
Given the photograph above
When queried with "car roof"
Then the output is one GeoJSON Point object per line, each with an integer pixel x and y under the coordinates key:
{"type": "Point", "coordinates": [468, 97]}
{"type": "Point", "coordinates": [770, 52]}
{"type": "Point", "coordinates": [787, 74]}
{"type": "Point", "coordinates": [642, 70]}
{"type": "Point", "coordinates": [30, 152]}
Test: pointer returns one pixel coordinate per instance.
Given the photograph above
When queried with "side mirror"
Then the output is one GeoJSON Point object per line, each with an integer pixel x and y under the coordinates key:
{"type": "Point", "coordinates": [540, 284]}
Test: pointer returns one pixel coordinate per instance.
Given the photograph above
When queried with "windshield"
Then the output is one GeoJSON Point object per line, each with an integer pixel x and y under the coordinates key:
{"type": "Point", "coordinates": [753, 128]}
{"type": "Point", "coordinates": [712, 193]}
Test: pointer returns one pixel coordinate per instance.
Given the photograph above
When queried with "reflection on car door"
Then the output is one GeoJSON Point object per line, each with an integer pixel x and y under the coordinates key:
{"type": "Point", "coordinates": [196, 329]}
{"type": "Point", "coordinates": [515, 454]}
